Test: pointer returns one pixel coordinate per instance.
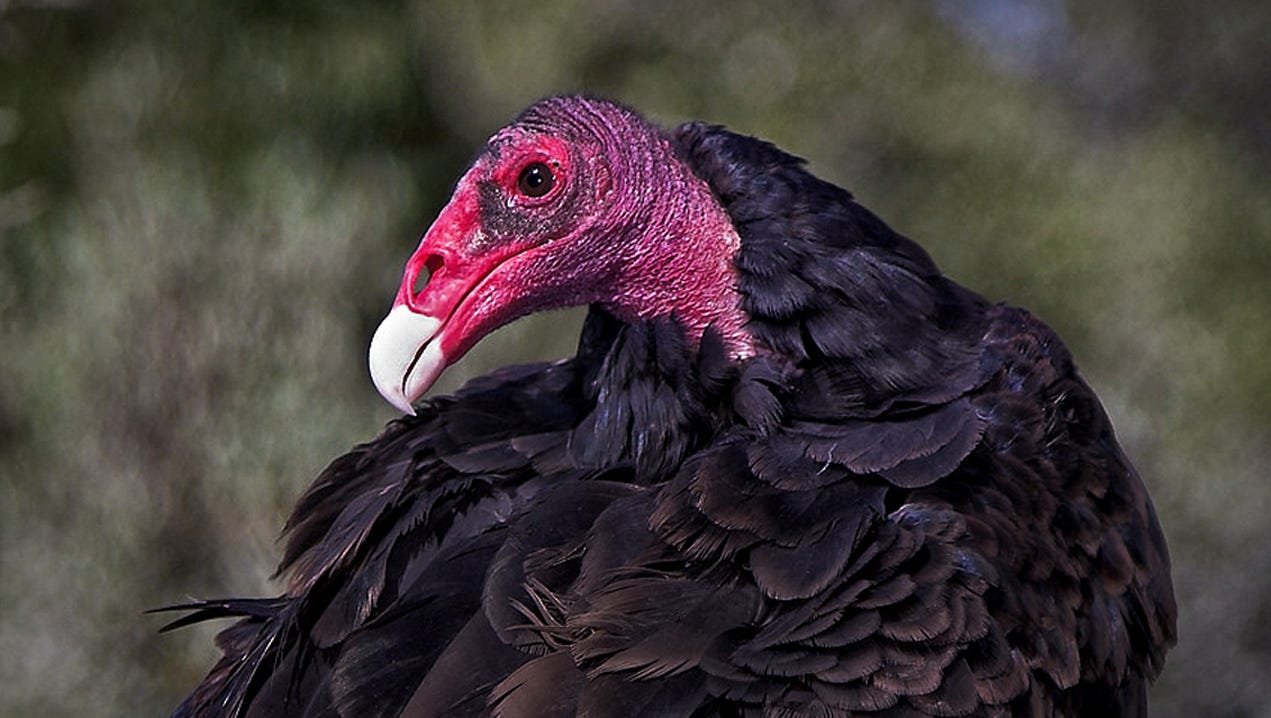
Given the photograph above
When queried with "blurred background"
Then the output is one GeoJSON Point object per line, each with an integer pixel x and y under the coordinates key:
{"type": "Point", "coordinates": [205, 207]}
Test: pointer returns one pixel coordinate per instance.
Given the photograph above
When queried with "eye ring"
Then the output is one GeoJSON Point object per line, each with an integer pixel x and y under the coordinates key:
{"type": "Point", "coordinates": [536, 180]}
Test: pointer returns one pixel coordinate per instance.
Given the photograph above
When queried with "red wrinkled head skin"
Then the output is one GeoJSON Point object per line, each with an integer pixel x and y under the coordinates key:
{"type": "Point", "coordinates": [622, 223]}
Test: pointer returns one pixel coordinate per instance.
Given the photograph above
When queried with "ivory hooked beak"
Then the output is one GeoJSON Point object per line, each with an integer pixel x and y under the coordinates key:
{"type": "Point", "coordinates": [404, 361]}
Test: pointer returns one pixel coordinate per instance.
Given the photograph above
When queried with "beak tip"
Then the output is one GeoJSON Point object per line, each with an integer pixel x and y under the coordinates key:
{"type": "Point", "coordinates": [401, 344]}
{"type": "Point", "coordinates": [399, 400]}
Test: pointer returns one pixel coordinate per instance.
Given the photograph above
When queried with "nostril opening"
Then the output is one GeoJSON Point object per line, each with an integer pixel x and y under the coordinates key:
{"type": "Point", "coordinates": [432, 265]}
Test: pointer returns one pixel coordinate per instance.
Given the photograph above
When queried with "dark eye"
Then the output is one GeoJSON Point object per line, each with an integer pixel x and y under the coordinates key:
{"type": "Point", "coordinates": [536, 180]}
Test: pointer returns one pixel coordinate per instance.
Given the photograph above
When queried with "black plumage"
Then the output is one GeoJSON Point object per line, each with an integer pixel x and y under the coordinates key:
{"type": "Point", "coordinates": [907, 503]}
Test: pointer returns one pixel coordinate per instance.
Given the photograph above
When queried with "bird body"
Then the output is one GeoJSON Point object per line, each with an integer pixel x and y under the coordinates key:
{"type": "Point", "coordinates": [792, 470]}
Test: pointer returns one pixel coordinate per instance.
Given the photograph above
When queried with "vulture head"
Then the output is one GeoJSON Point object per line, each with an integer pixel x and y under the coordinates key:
{"type": "Point", "coordinates": [578, 201]}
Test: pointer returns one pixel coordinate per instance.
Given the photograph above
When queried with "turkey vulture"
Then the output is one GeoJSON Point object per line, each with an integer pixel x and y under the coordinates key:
{"type": "Point", "coordinates": [792, 470]}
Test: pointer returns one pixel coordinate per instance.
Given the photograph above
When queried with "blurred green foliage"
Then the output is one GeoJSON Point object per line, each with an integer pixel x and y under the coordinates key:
{"type": "Point", "coordinates": [204, 207]}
